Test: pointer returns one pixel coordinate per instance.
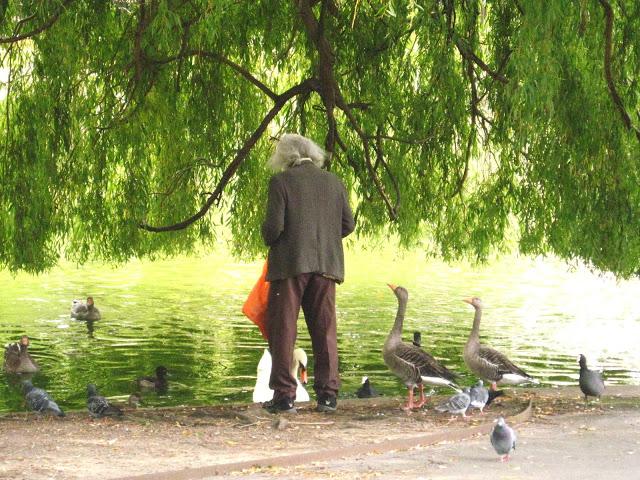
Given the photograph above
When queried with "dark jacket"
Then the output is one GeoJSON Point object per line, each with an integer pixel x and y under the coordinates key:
{"type": "Point", "coordinates": [308, 214]}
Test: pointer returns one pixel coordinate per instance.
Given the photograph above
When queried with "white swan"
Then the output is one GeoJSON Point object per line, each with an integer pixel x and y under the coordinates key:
{"type": "Point", "coordinates": [262, 392]}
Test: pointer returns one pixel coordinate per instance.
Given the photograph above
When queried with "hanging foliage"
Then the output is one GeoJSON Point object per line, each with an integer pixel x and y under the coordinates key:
{"type": "Point", "coordinates": [133, 128]}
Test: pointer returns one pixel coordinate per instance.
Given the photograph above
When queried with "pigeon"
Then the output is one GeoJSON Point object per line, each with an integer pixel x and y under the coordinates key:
{"type": "Point", "coordinates": [503, 439]}
{"type": "Point", "coordinates": [98, 406]}
{"type": "Point", "coordinates": [366, 390]}
{"type": "Point", "coordinates": [591, 382]}
{"type": "Point", "coordinates": [457, 404]}
{"type": "Point", "coordinates": [417, 339]}
{"type": "Point", "coordinates": [39, 401]}
{"type": "Point", "coordinates": [479, 396]}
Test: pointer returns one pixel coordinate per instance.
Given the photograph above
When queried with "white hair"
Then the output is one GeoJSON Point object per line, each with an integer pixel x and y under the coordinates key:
{"type": "Point", "coordinates": [292, 149]}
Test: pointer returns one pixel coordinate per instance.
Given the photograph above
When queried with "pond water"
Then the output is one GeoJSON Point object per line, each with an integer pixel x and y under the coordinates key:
{"type": "Point", "coordinates": [184, 313]}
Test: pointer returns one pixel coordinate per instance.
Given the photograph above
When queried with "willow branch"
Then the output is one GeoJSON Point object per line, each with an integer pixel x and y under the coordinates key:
{"type": "Point", "coordinates": [223, 60]}
{"type": "Point", "coordinates": [341, 104]}
{"type": "Point", "coordinates": [468, 54]}
{"type": "Point", "coordinates": [240, 156]}
{"type": "Point", "coordinates": [608, 48]}
{"type": "Point", "coordinates": [41, 28]}
{"type": "Point", "coordinates": [380, 160]}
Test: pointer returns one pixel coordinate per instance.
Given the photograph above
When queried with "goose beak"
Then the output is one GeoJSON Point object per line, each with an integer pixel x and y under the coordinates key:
{"type": "Point", "coordinates": [392, 286]}
{"type": "Point", "coordinates": [303, 374]}
{"type": "Point", "coordinates": [468, 300]}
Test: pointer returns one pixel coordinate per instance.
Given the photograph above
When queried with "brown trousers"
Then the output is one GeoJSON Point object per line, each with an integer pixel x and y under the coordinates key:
{"type": "Point", "coordinates": [317, 296]}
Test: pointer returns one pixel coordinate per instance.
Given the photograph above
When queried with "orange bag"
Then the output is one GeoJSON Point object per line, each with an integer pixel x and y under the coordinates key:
{"type": "Point", "coordinates": [255, 307]}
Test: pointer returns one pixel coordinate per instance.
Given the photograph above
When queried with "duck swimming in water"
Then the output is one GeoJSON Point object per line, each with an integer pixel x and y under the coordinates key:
{"type": "Point", "coordinates": [85, 311]}
{"type": "Point", "coordinates": [158, 383]}
{"type": "Point", "coordinates": [17, 358]}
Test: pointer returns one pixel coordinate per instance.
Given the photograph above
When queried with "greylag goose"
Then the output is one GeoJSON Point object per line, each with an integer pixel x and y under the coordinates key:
{"type": "Point", "coordinates": [457, 404]}
{"type": "Point", "coordinates": [503, 439]}
{"type": "Point", "coordinates": [488, 363]}
{"type": "Point", "coordinates": [366, 390]}
{"type": "Point", "coordinates": [591, 382]}
{"type": "Point", "coordinates": [85, 311]}
{"type": "Point", "coordinates": [17, 358]}
{"type": "Point", "coordinates": [39, 401]}
{"type": "Point", "coordinates": [411, 364]}
{"type": "Point", "coordinates": [158, 383]}
{"type": "Point", "coordinates": [262, 393]}
{"type": "Point", "coordinates": [99, 406]}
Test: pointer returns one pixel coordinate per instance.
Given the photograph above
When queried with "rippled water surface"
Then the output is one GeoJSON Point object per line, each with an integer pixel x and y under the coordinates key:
{"type": "Point", "coordinates": [185, 314]}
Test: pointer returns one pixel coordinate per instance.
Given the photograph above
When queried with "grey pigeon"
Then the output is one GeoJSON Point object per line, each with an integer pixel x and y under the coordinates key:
{"type": "Point", "coordinates": [366, 390]}
{"type": "Point", "coordinates": [591, 382]}
{"type": "Point", "coordinates": [457, 404]}
{"type": "Point", "coordinates": [503, 439]}
{"type": "Point", "coordinates": [479, 396]}
{"type": "Point", "coordinates": [39, 401]}
{"type": "Point", "coordinates": [99, 406]}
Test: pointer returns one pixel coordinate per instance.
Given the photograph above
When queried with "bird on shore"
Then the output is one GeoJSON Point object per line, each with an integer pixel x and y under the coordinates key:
{"type": "Point", "coordinates": [456, 404]}
{"type": "Point", "coordinates": [412, 365]}
{"type": "Point", "coordinates": [488, 363]}
{"type": "Point", "coordinates": [591, 382]}
{"type": "Point", "coordinates": [479, 396]}
{"type": "Point", "coordinates": [39, 401]}
{"type": "Point", "coordinates": [493, 394]}
{"type": "Point", "coordinates": [85, 311]}
{"type": "Point", "coordinates": [503, 439]}
{"type": "Point", "coordinates": [17, 358]}
{"type": "Point", "coordinates": [366, 390]}
{"type": "Point", "coordinates": [158, 383]}
{"type": "Point", "coordinates": [134, 400]}
{"type": "Point", "coordinates": [298, 370]}
{"type": "Point", "coordinates": [99, 406]}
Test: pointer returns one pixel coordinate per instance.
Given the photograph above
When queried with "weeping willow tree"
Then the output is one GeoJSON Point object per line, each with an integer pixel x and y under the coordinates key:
{"type": "Point", "coordinates": [138, 128]}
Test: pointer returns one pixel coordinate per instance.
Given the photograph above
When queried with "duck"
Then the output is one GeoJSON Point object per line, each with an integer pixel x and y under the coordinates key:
{"type": "Point", "coordinates": [591, 382]}
{"type": "Point", "coordinates": [503, 439]}
{"type": "Point", "coordinates": [366, 390]}
{"type": "Point", "coordinates": [17, 358]}
{"type": "Point", "coordinates": [457, 404]}
{"type": "Point", "coordinates": [99, 406]}
{"type": "Point", "coordinates": [412, 365]}
{"type": "Point", "coordinates": [134, 400]}
{"type": "Point", "coordinates": [417, 339]}
{"type": "Point", "coordinates": [85, 311]}
{"type": "Point", "coordinates": [262, 393]}
{"type": "Point", "coordinates": [488, 363]}
{"type": "Point", "coordinates": [39, 400]}
{"type": "Point", "coordinates": [158, 383]}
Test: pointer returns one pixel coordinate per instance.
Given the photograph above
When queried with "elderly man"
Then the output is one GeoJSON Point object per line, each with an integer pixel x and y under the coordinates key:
{"type": "Point", "coordinates": [308, 214]}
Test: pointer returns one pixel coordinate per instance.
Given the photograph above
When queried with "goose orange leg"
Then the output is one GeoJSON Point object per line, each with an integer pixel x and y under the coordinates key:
{"type": "Point", "coordinates": [423, 399]}
{"type": "Point", "coordinates": [409, 404]}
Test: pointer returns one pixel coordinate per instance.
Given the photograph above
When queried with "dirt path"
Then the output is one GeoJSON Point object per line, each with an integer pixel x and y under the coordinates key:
{"type": "Point", "coordinates": [171, 440]}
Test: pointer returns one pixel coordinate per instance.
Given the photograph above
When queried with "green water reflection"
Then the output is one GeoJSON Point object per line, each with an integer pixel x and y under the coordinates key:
{"type": "Point", "coordinates": [185, 314]}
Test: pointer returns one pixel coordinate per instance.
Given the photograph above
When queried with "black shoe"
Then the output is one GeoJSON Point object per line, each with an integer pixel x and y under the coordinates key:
{"type": "Point", "coordinates": [327, 403]}
{"type": "Point", "coordinates": [284, 405]}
